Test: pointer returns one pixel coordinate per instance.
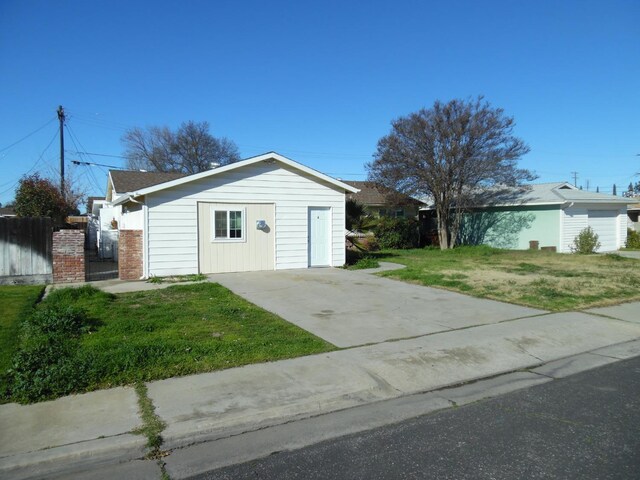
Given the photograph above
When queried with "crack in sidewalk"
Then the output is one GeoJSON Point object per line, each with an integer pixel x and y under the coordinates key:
{"type": "Point", "coordinates": [152, 428]}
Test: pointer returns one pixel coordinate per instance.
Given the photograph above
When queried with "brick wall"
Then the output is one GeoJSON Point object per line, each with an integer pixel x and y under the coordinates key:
{"type": "Point", "coordinates": [68, 256]}
{"type": "Point", "coordinates": [130, 255]}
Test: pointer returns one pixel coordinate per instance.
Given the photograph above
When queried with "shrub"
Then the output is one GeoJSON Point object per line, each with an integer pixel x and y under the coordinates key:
{"type": "Point", "coordinates": [633, 239]}
{"type": "Point", "coordinates": [47, 363]}
{"type": "Point", "coordinates": [397, 233]}
{"type": "Point", "coordinates": [47, 366]}
{"type": "Point", "coordinates": [365, 262]}
{"type": "Point", "coordinates": [586, 242]}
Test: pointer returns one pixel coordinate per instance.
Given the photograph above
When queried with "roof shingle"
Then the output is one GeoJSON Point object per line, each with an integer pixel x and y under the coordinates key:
{"type": "Point", "coordinates": [131, 180]}
{"type": "Point", "coordinates": [373, 194]}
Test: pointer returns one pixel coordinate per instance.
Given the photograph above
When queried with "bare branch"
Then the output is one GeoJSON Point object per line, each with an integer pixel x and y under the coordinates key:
{"type": "Point", "coordinates": [456, 153]}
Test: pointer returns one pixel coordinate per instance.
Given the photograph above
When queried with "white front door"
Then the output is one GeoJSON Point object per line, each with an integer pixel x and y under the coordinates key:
{"type": "Point", "coordinates": [319, 236]}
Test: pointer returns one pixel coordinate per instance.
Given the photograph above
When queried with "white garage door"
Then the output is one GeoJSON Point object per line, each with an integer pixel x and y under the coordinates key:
{"type": "Point", "coordinates": [604, 223]}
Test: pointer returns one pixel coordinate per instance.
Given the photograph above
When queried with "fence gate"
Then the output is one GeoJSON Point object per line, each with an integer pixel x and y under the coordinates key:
{"type": "Point", "coordinates": [101, 254]}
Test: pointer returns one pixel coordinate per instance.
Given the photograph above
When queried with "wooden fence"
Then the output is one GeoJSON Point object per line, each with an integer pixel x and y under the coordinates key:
{"type": "Point", "coordinates": [25, 250]}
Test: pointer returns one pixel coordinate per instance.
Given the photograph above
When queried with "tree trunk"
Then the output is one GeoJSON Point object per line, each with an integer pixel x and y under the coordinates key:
{"type": "Point", "coordinates": [443, 233]}
{"type": "Point", "coordinates": [455, 228]}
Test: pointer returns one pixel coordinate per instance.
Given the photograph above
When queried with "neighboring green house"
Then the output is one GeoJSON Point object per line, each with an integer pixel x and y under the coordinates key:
{"type": "Point", "coordinates": [551, 214]}
{"type": "Point", "coordinates": [379, 201]}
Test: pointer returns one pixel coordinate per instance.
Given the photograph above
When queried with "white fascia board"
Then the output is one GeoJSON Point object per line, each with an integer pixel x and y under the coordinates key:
{"type": "Point", "coordinates": [109, 184]}
{"type": "Point", "coordinates": [240, 164]}
{"type": "Point", "coordinates": [123, 199]}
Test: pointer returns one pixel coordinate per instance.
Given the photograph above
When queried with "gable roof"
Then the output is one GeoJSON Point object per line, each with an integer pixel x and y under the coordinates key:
{"type": "Point", "coordinates": [125, 181]}
{"type": "Point", "coordinates": [180, 179]}
{"type": "Point", "coordinates": [538, 194]}
{"type": "Point", "coordinates": [372, 194]}
{"type": "Point", "coordinates": [563, 192]}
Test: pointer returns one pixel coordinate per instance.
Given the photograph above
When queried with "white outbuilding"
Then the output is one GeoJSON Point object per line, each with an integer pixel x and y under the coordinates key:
{"type": "Point", "coordinates": [263, 213]}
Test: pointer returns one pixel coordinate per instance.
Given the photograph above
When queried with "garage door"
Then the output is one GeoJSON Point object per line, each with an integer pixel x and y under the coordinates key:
{"type": "Point", "coordinates": [235, 237]}
{"type": "Point", "coordinates": [605, 224]}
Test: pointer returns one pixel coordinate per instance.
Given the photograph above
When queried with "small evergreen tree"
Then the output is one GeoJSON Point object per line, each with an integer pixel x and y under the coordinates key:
{"type": "Point", "coordinates": [38, 197]}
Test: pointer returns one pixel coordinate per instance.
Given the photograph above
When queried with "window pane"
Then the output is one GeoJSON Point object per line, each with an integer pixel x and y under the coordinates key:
{"type": "Point", "coordinates": [221, 224]}
{"type": "Point", "coordinates": [235, 224]}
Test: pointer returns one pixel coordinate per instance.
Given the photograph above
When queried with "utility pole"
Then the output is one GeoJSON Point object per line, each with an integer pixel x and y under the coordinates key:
{"type": "Point", "coordinates": [61, 119]}
{"type": "Point", "coordinates": [575, 177]}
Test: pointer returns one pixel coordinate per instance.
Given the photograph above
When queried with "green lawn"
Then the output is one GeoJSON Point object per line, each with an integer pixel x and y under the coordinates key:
{"type": "Point", "coordinates": [187, 329]}
{"type": "Point", "coordinates": [15, 300]}
{"type": "Point", "coordinates": [546, 280]}
{"type": "Point", "coordinates": [151, 335]}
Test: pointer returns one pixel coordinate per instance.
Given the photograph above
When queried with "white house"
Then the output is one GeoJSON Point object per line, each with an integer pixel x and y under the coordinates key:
{"type": "Point", "coordinates": [263, 213]}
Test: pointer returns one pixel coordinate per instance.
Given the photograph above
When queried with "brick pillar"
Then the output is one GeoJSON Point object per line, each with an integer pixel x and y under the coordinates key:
{"type": "Point", "coordinates": [130, 255]}
{"type": "Point", "coordinates": [68, 256]}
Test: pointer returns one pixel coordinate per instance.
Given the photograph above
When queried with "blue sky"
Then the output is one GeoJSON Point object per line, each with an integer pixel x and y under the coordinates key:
{"type": "Point", "coordinates": [318, 82]}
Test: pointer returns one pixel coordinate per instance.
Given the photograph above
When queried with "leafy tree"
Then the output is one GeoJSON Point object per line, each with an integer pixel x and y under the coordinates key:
{"type": "Point", "coordinates": [191, 149]}
{"type": "Point", "coordinates": [458, 153]}
{"type": "Point", "coordinates": [39, 197]}
{"type": "Point", "coordinates": [354, 212]}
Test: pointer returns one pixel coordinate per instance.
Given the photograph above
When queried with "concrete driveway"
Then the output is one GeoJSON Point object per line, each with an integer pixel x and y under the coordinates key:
{"type": "Point", "coordinates": [350, 308]}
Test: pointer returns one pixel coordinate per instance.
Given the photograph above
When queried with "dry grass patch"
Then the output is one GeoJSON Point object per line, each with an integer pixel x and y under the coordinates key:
{"type": "Point", "coordinates": [545, 280]}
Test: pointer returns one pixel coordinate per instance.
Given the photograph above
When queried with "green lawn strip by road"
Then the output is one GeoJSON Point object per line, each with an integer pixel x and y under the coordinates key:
{"type": "Point", "coordinates": [180, 330]}
{"type": "Point", "coordinates": [15, 301]}
{"type": "Point", "coordinates": [546, 280]}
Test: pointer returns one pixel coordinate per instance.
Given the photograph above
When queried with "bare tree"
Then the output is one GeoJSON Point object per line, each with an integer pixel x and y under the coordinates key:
{"type": "Point", "coordinates": [461, 153]}
{"type": "Point", "coordinates": [191, 149]}
{"type": "Point", "coordinates": [197, 149]}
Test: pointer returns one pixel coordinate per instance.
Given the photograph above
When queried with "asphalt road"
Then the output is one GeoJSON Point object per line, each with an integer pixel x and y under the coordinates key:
{"type": "Point", "coordinates": [586, 426]}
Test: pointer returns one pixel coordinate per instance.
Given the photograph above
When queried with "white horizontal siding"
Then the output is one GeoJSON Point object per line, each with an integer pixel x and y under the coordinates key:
{"type": "Point", "coordinates": [622, 226]}
{"type": "Point", "coordinates": [173, 220]}
{"type": "Point", "coordinates": [576, 218]}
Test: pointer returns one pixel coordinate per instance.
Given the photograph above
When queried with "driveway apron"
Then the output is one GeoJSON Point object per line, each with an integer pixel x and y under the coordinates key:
{"type": "Point", "coordinates": [350, 308]}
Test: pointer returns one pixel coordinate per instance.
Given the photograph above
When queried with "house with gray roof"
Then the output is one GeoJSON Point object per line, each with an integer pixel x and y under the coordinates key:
{"type": "Point", "coordinates": [547, 215]}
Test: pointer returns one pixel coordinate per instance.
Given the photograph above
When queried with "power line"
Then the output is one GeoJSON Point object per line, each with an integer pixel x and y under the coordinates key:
{"type": "Point", "coordinates": [27, 136]}
{"type": "Point", "coordinates": [33, 166]}
{"type": "Point", "coordinates": [93, 164]}
{"type": "Point", "coordinates": [96, 154]}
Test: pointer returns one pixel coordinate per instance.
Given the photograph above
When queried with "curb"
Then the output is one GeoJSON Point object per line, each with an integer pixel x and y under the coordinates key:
{"type": "Point", "coordinates": [292, 434]}
{"type": "Point", "coordinates": [227, 446]}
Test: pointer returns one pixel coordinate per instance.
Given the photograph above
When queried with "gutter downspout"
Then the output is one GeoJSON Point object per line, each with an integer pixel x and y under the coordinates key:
{"type": "Point", "coordinates": [145, 241]}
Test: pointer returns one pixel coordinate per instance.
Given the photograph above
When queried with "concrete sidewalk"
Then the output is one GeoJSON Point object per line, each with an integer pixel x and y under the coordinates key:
{"type": "Point", "coordinates": [65, 436]}
{"type": "Point", "coordinates": [68, 434]}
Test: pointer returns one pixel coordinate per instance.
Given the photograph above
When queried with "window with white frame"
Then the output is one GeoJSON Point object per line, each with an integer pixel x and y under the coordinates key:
{"type": "Point", "coordinates": [228, 225]}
